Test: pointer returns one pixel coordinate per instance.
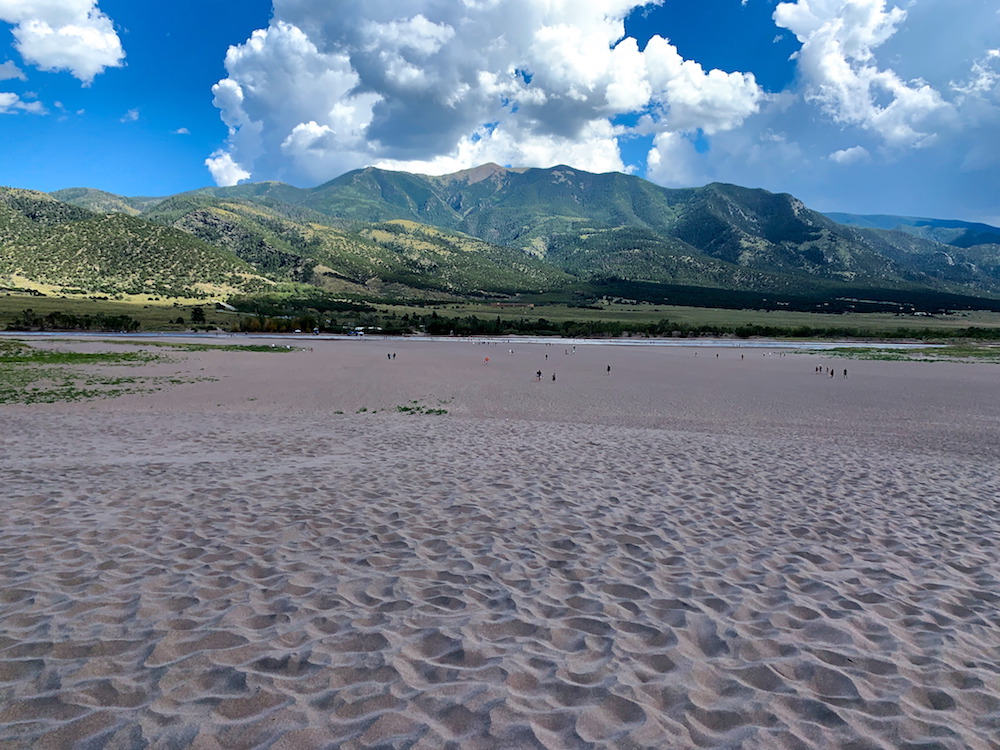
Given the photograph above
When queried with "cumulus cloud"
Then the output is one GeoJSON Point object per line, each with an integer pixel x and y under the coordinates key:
{"type": "Point", "coordinates": [438, 86]}
{"type": "Point", "coordinates": [672, 161]}
{"type": "Point", "coordinates": [912, 86]}
{"type": "Point", "coordinates": [850, 155]}
{"type": "Point", "coordinates": [224, 170]}
{"type": "Point", "coordinates": [984, 78]}
{"type": "Point", "coordinates": [180, 131]}
{"type": "Point", "coordinates": [12, 103]}
{"type": "Point", "coordinates": [593, 149]}
{"type": "Point", "coordinates": [131, 116]}
{"type": "Point", "coordinates": [9, 71]}
{"type": "Point", "coordinates": [292, 110]}
{"type": "Point", "coordinates": [838, 64]}
{"type": "Point", "coordinates": [71, 35]}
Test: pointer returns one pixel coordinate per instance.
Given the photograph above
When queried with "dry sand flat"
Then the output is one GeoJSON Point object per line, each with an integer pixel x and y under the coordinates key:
{"type": "Point", "coordinates": [688, 552]}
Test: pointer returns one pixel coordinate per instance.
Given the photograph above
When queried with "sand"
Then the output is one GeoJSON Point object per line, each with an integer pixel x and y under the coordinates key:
{"type": "Point", "coordinates": [687, 552]}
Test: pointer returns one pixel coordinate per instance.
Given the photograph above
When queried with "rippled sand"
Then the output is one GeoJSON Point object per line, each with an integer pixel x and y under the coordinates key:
{"type": "Point", "coordinates": [689, 551]}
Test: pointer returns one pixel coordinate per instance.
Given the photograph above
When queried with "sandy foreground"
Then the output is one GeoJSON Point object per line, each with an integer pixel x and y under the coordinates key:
{"type": "Point", "coordinates": [688, 551]}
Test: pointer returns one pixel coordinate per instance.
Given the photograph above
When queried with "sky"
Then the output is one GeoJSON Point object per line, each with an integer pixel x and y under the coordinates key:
{"type": "Point", "coordinates": [863, 106]}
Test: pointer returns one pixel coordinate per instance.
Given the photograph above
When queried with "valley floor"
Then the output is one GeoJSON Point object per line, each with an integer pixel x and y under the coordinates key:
{"type": "Point", "coordinates": [693, 548]}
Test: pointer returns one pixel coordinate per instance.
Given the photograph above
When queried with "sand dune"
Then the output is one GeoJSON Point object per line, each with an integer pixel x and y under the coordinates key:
{"type": "Point", "coordinates": [688, 552]}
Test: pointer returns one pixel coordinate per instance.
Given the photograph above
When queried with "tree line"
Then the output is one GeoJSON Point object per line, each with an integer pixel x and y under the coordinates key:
{"type": "Point", "coordinates": [29, 320]}
{"type": "Point", "coordinates": [434, 324]}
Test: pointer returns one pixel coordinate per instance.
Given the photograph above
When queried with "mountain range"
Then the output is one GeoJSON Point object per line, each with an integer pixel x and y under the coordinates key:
{"type": "Point", "coordinates": [488, 232]}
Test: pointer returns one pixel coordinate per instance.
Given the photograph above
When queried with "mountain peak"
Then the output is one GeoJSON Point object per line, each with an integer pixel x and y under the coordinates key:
{"type": "Point", "coordinates": [477, 174]}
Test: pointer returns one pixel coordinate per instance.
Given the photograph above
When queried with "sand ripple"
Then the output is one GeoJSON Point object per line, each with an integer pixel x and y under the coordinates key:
{"type": "Point", "coordinates": [374, 582]}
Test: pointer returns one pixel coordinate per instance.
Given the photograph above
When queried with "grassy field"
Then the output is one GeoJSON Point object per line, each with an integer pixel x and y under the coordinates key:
{"type": "Point", "coordinates": [648, 313]}
{"type": "Point", "coordinates": [154, 316]}
{"type": "Point", "coordinates": [953, 353]}
{"type": "Point", "coordinates": [29, 375]}
{"type": "Point", "coordinates": [48, 373]}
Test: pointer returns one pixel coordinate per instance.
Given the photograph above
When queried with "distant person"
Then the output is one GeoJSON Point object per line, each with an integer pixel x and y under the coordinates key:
{"type": "Point", "coordinates": [553, 377]}
{"type": "Point", "coordinates": [538, 376]}
{"type": "Point", "coordinates": [609, 369]}
{"type": "Point", "coordinates": [845, 373]}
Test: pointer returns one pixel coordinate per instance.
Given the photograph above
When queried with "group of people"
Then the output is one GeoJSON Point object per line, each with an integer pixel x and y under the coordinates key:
{"type": "Point", "coordinates": [821, 370]}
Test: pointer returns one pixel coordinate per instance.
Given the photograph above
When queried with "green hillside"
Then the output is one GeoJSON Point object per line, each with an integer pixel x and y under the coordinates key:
{"type": "Point", "coordinates": [102, 202]}
{"type": "Point", "coordinates": [73, 251]}
{"type": "Point", "coordinates": [487, 232]}
{"type": "Point", "coordinates": [717, 235]}
{"type": "Point", "coordinates": [403, 255]}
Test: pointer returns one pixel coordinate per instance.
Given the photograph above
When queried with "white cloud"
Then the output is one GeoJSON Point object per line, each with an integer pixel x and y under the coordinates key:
{"type": "Point", "coordinates": [180, 131]}
{"type": "Point", "coordinates": [837, 63]}
{"type": "Point", "coordinates": [913, 86]}
{"type": "Point", "coordinates": [12, 103]}
{"type": "Point", "coordinates": [10, 71]}
{"type": "Point", "coordinates": [327, 88]}
{"type": "Point", "coordinates": [292, 111]}
{"type": "Point", "coordinates": [695, 100]}
{"type": "Point", "coordinates": [416, 34]}
{"type": "Point", "coordinates": [850, 155]}
{"type": "Point", "coordinates": [593, 149]}
{"type": "Point", "coordinates": [71, 35]}
{"type": "Point", "coordinates": [224, 170]}
{"type": "Point", "coordinates": [984, 78]}
{"type": "Point", "coordinates": [672, 160]}
{"type": "Point", "coordinates": [131, 116]}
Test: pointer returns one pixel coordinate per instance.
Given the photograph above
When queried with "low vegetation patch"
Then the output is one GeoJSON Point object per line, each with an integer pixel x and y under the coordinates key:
{"type": "Point", "coordinates": [952, 353]}
{"type": "Point", "coordinates": [270, 348]}
{"type": "Point", "coordinates": [29, 375]}
{"type": "Point", "coordinates": [415, 407]}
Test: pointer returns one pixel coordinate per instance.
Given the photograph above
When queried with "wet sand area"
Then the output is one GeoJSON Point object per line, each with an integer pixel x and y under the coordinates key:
{"type": "Point", "coordinates": [343, 548]}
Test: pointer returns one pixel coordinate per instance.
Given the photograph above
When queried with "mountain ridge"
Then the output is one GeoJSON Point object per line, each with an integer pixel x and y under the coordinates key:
{"type": "Point", "coordinates": [493, 230]}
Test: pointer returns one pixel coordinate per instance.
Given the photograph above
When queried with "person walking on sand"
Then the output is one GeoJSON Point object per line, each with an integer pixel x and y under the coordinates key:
{"type": "Point", "coordinates": [538, 376]}
{"type": "Point", "coordinates": [553, 377]}
{"type": "Point", "coordinates": [845, 373]}
{"type": "Point", "coordinates": [609, 369]}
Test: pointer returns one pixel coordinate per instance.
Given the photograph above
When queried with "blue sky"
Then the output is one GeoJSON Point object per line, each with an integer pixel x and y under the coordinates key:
{"type": "Point", "coordinates": [120, 132]}
{"type": "Point", "coordinates": [868, 106]}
